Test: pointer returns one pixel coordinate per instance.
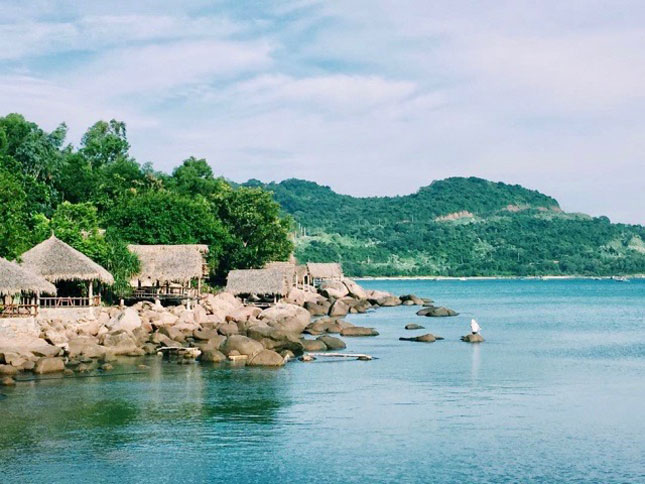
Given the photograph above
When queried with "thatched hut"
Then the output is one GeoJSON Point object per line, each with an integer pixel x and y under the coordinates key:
{"type": "Point", "coordinates": [324, 271]}
{"type": "Point", "coordinates": [20, 290]}
{"type": "Point", "coordinates": [258, 283]}
{"type": "Point", "coordinates": [65, 267]}
{"type": "Point", "coordinates": [169, 271]}
{"type": "Point", "coordinates": [296, 275]}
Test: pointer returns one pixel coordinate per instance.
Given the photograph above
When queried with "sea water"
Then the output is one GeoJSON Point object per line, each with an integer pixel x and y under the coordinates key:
{"type": "Point", "coordinates": [555, 394]}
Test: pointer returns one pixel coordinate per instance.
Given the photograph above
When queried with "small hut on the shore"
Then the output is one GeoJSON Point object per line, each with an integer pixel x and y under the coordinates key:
{"type": "Point", "coordinates": [66, 267]}
{"type": "Point", "coordinates": [324, 271]}
{"type": "Point", "coordinates": [296, 275]}
{"type": "Point", "coordinates": [20, 290]}
{"type": "Point", "coordinates": [262, 285]}
{"type": "Point", "coordinates": [169, 271]}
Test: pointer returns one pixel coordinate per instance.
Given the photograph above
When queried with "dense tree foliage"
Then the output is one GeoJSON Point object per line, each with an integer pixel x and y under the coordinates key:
{"type": "Point", "coordinates": [98, 199]}
{"type": "Point", "coordinates": [457, 227]}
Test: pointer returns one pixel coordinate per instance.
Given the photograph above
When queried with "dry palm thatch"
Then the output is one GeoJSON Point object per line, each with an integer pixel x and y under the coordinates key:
{"type": "Point", "coordinates": [56, 261]}
{"type": "Point", "coordinates": [287, 268]}
{"type": "Point", "coordinates": [15, 280]}
{"type": "Point", "coordinates": [169, 263]}
{"type": "Point", "coordinates": [258, 282]}
{"type": "Point", "coordinates": [301, 271]}
{"type": "Point", "coordinates": [325, 270]}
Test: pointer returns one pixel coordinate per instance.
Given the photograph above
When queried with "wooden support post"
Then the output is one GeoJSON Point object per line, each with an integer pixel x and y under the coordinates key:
{"type": "Point", "coordinates": [90, 297]}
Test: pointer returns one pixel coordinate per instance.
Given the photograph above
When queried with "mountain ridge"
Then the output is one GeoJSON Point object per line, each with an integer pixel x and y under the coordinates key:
{"type": "Point", "coordinates": [458, 226]}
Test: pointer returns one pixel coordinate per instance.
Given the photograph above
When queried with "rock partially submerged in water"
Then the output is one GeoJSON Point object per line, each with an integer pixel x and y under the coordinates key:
{"type": "Point", "coordinates": [49, 365]}
{"type": "Point", "coordinates": [413, 326]}
{"type": "Point", "coordinates": [332, 343]}
{"type": "Point", "coordinates": [359, 331]}
{"type": "Point", "coordinates": [7, 381]}
{"type": "Point", "coordinates": [436, 312]}
{"type": "Point", "coordinates": [212, 356]}
{"type": "Point", "coordinates": [266, 358]}
{"type": "Point", "coordinates": [473, 338]}
{"type": "Point", "coordinates": [411, 300]}
{"type": "Point", "coordinates": [426, 338]}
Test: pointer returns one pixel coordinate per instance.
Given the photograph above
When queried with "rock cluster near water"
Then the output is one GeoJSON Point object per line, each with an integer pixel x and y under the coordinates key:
{"type": "Point", "coordinates": [216, 329]}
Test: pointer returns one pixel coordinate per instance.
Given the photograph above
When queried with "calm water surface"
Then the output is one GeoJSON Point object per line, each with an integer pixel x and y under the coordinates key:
{"type": "Point", "coordinates": [557, 393]}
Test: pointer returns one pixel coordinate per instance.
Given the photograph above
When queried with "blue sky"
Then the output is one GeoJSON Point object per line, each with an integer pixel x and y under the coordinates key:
{"type": "Point", "coordinates": [368, 96]}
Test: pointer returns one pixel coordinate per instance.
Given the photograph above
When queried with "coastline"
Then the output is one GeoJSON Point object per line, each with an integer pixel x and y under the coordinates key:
{"type": "Point", "coordinates": [498, 278]}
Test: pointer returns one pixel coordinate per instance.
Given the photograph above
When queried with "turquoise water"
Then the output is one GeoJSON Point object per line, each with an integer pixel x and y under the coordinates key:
{"type": "Point", "coordinates": [556, 394]}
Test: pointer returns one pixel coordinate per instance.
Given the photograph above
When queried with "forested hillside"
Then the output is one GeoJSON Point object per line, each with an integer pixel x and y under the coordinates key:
{"type": "Point", "coordinates": [98, 199]}
{"type": "Point", "coordinates": [457, 227]}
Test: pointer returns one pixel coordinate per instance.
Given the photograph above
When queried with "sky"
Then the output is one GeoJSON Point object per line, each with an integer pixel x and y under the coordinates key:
{"type": "Point", "coordinates": [370, 97]}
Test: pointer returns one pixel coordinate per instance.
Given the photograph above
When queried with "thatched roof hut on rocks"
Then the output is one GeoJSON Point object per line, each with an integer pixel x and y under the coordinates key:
{"type": "Point", "coordinates": [324, 271]}
{"type": "Point", "coordinates": [20, 290]}
{"type": "Point", "coordinates": [59, 263]}
{"type": "Point", "coordinates": [15, 280]}
{"type": "Point", "coordinates": [169, 270]}
{"type": "Point", "coordinates": [258, 282]}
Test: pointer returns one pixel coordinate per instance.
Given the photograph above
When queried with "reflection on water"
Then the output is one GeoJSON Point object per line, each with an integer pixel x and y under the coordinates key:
{"type": "Point", "coordinates": [475, 361]}
{"type": "Point", "coordinates": [554, 394]}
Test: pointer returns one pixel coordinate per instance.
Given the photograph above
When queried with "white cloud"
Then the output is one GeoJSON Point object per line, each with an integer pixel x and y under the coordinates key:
{"type": "Point", "coordinates": [368, 96]}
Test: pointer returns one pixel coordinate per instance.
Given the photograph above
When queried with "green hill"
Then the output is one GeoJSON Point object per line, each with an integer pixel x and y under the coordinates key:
{"type": "Point", "coordinates": [456, 227]}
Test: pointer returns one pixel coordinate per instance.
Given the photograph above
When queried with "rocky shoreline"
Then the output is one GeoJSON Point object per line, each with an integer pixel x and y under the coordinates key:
{"type": "Point", "coordinates": [220, 328]}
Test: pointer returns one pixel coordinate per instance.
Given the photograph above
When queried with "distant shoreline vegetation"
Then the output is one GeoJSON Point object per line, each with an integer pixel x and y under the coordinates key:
{"type": "Point", "coordinates": [457, 227]}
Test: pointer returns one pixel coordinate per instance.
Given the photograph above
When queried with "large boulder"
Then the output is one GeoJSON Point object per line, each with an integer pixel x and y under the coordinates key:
{"type": "Point", "coordinates": [119, 343]}
{"type": "Point", "coordinates": [204, 334]}
{"type": "Point", "coordinates": [214, 343]}
{"type": "Point", "coordinates": [354, 290]}
{"type": "Point", "coordinates": [212, 356]}
{"type": "Point", "coordinates": [374, 295]}
{"type": "Point", "coordinates": [358, 331]}
{"type": "Point", "coordinates": [287, 317]}
{"type": "Point", "coordinates": [436, 312]}
{"type": "Point", "coordinates": [45, 350]}
{"type": "Point", "coordinates": [333, 289]}
{"type": "Point", "coordinates": [228, 329]}
{"type": "Point", "coordinates": [413, 326]}
{"type": "Point", "coordinates": [276, 339]}
{"type": "Point", "coordinates": [388, 301]}
{"type": "Point", "coordinates": [173, 333]}
{"type": "Point", "coordinates": [85, 346]}
{"type": "Point", "coordinates": [241, 344]}
{"type": "Point", "coordinates": [8, 370]}
{"type": "Point", "coordinates": [414, 300]}
{"type": "Point", "coordinates": [425, 338]}
{"type": "Point", "coordinates": [313, 345]}
{"type": "Point", "coordinates": [161, 339]}
{"type": "Point", "coordinates": [327, 325]}
{"type": "Point", "coordinates": [473, 338]}
{"type": "Point", "coordinates": [339, 308]}
{"type": "Point", "coordinates": [49, 365]}
{"type": "Point", "coordinates": [55, 336]}
{"type": "Point", "coordinates": [266, 358]}
{"type": "Point", "coordinates": [318, 307]}
{"type": "Point", "coordinates": [332, 343]}
{"type": "Point", "coordinates": [222, 304]}
{"type": "Point", "coordinates": [361, 306]}
{"type": "Point", "coordinates": [296, 296]}
{"type": "Point", "coordinates": [245, 313]}
{"type": "Point", "coordinates": [127, 320]}
{"type": "Point", "coordinates": [166, 318]}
